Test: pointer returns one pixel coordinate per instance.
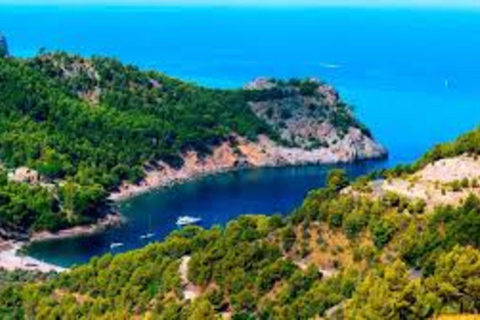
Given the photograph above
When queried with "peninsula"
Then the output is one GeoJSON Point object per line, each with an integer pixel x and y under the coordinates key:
{"type": "Point", "coordinates": [77, 133]}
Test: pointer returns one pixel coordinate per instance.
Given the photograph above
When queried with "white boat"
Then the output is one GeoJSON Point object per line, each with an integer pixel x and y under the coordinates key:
{"type": "Point", "coordinates": [147, 236]}
{"type": "Point", "coordinates": [116, 245]}
{"type": "Point", "coordinates": [185, 221]}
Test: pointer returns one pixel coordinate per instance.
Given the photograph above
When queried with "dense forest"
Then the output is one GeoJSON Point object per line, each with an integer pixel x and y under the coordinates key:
{"type": "Point", "coordinates": [337, 256]}
{"type": "Point", "coordinates": [87, 125]}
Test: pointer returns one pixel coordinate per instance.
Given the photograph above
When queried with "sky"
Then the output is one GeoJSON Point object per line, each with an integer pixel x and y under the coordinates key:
{"type": "Point", "coordinates": [389, 3]}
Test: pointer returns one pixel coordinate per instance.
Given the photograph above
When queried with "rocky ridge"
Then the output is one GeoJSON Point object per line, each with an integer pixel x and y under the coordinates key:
{"type": "Point", "coordinates": [448, 181]}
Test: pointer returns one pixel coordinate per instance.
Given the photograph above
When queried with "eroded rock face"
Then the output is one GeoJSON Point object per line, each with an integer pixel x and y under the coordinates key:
{"type": "Point", "coordinates": [310, 115]}
{"type": "Point", "coordinates": [3, 46]}
{"type": "Point", "coordinates": [247, 154]}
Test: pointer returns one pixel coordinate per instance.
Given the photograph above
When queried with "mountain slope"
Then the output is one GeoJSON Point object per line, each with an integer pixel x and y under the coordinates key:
{"type": "Point", "coordinates": [337, 256]}
{"type": "Point", "coordinates": [73, 130]}
{"type": "Point", "coordinates": [446, 175]}
{"type": "Point", "coordinates": [348, 252]}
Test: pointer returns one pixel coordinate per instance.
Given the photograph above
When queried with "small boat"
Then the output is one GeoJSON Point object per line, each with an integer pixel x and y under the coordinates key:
{"type": "Point", "coordinates": [185, 221]}
{"type": "Point", "coordinates": [116, 245]}
{"type": "Point", "coordinates": [147, 236]}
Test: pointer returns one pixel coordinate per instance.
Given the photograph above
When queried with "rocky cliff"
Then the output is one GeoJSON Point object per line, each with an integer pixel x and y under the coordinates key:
{"type": "Point", "coordinates": [309, 114]}
{"type": "Point", "coordinates": [306, 116]}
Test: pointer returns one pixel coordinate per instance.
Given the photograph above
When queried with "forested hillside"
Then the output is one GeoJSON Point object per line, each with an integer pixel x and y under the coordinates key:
{"type": "Point", "coordinates": [338, 256]}
{"type": "Point", "coordinates": [81, 127]}
{"type": "Point", "coordinates": [352, 250]}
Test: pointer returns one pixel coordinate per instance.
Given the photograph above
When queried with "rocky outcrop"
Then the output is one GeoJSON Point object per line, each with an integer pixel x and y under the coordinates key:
{"type": "Point", "coordinates": [3, 46]}
{"type": "Point", "coordinates": [443, 182]}
{"type": "Point", "coordinates": [310, 115]}
{"type": "Point", "coordinates": [240, 153]}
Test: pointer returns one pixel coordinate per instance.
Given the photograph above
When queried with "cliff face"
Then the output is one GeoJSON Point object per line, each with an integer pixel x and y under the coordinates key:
{"type": "Point", "coordinates": [240, 153]}
{"type": "Point", "coordinates": [3, 46]}
{"type": "Point", "coordinates": [310, 115]}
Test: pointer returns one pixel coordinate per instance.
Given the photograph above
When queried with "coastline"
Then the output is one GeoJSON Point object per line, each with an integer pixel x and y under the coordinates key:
{"type": "Point", "coordinates": [246, 155]}
{"type": "Point", "coordinates": [11, 260]}
{"type": "Point", "coordinates": [110, 220]}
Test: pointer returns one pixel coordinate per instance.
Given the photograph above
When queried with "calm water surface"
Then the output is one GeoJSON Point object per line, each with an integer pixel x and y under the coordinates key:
{"type": "Point", "coordinates": [413, 76]}
{"type": "Point", "coordinates": [216, 200]}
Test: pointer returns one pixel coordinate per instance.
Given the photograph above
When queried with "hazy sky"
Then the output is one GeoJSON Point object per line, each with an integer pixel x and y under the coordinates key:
{"type": "Point", "coordinates": [437, 3]}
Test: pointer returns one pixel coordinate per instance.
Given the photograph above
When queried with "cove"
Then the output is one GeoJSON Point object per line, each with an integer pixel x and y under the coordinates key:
{"type": "Point", "coordinates": [215, 199]}
{"type": "Point", "coordinates": [391, 64]}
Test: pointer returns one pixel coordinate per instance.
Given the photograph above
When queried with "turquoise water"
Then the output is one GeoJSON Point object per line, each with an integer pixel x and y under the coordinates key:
{"type": "Point", "coordinates": [413, 76]}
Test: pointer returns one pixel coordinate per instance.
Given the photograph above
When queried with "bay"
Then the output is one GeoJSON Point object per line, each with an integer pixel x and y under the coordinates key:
{"type": "Point", "coordinates": [412, 75]}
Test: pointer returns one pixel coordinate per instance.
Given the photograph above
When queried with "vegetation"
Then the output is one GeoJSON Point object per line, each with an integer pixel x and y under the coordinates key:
{"type": "Point", "coordinates": [466, 144]}
{"type": "Point", "coordinates": [87, 125]}
{"type": "Point", "coordinates": [91, 149]}
{"type": "Point", "coordinates": [336, 254]}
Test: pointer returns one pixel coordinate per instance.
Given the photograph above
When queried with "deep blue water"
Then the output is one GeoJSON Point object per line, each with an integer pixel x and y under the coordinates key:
{"type": "Point", "coordinates": [392, 64]}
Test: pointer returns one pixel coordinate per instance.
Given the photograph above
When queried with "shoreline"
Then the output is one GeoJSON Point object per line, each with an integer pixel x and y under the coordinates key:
{"type": "Point", "coordinates": [225, 159]}
{"type": "Point", "coordinates": [11, 260]}
{"type": "Point", "coordinates": [133, 191]}
{"type": "Point", "coordinates": [110, 220]}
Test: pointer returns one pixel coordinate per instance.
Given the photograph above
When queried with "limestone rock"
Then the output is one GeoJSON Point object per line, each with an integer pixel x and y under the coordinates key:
{"type": "Point", "coordinates": [309, 114]}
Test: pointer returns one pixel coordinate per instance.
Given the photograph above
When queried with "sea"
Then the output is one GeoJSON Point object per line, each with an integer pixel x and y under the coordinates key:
{"type": "Point", "coordinates": [411, 74]}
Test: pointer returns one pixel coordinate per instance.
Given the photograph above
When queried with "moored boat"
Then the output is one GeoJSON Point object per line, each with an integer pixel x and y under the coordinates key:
{"type": "Point", "coordinates": [116, 245]}
{"type": "Point", "coordinates": [186, 220]}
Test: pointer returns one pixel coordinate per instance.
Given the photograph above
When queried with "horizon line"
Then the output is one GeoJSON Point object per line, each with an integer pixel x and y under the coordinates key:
{"type": "Point", "coordinates": [249, 4]}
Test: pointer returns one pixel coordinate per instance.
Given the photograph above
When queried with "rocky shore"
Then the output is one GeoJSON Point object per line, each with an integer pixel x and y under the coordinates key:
{"type": "Point", "coordinates": [315, 125]}
{"type": "Point", "coordinates": [111, 220]}
{"type": "Point", "coordinates": [245, 154]}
